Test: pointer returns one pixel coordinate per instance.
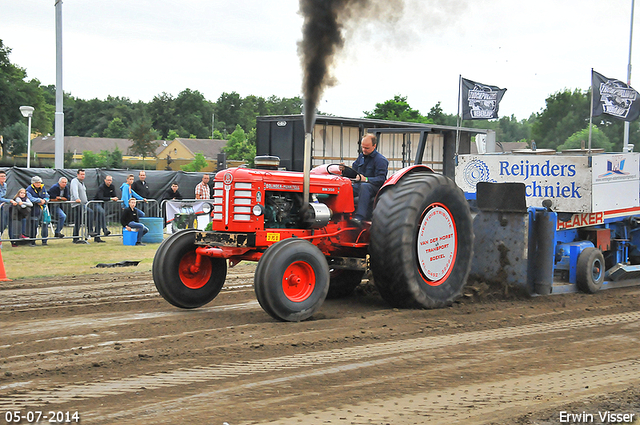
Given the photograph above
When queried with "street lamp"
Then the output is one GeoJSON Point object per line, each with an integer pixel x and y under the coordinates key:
{"type": "Point", "coordinates": [27, 111]}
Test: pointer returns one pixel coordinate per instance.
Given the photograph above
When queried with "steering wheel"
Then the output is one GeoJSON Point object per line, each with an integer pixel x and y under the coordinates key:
{"type": "Point", "coordinates": [348, 171]}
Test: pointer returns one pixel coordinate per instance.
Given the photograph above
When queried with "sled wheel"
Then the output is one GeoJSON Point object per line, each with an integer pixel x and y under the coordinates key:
{"type": "Point", "coordinates": [421, 241]}
{"type": "Point", "coordinates": [175, 277]}
{"type": "Point", "coordinates": [343, 282]}
{"type": "Point", "coordinates": [590, 270]}
{"type": "Point", "coordinates": [292, 280]}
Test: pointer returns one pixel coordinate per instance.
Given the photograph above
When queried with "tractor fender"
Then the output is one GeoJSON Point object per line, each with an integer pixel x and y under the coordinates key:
{"type": "Point", "coordinates": [395, 178]}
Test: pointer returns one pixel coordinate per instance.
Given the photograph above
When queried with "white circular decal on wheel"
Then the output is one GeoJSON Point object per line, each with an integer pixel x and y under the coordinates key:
{"type": "Point", "coordinates": [437, 241]}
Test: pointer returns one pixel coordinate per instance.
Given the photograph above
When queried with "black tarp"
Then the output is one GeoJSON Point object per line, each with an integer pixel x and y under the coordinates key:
{"type": "Point", "coordinates": [159, 180]}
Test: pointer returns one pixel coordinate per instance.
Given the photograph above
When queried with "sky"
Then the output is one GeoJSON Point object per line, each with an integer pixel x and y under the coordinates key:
{"type": "Point", "coordinates": [140, 49]}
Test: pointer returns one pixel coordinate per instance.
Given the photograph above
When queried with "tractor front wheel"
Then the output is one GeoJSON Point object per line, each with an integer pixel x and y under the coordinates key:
{"type": "Point", "coordinates": [178, 277]}
{"type": "Point", "coordinates": [421, 242]}
{"type": "Point", "coordinates": [292, 280]}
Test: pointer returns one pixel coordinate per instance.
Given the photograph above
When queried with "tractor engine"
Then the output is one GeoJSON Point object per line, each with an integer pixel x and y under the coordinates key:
{"type": "Point", "coordinates": [250, 200]}
{"type": "Point", "coordinates": [282, 210]}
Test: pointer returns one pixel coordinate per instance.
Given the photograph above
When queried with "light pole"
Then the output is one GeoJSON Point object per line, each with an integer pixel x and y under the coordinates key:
{"type": "Point", "coordinates": [27, 111]}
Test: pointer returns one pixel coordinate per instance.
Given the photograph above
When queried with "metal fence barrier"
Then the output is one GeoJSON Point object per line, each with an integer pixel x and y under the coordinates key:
{"type": "Point", "coordinates": [67, 220]}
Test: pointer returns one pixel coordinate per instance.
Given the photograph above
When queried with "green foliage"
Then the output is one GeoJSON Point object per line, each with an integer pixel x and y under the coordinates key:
{"type": "Point", "coordinates": [217, 135]}
{"type": "Point", "coordinates": [196, 165]}
{"type": "Point", "coordinates": [172, 135]}
{"type": "Point", "coordinates": [116, 129]}
{"type": "Point", "coordinates": [68, 159]}
{"type": "Point", "coordinates": [104, 159]}
{"type": "Point", "coordinates": [437, 116]}
{"type": "Point", "coordinates": [566, 113]}
{"type": "Point", "coordinates": [143, 137]}
{"type": "Point", "coordinates": [397, 109]}
{"type": "Point", "coordinates": [116, 158]}
{"type": "Point", "coordinates": [15, 139]}
{"type": "Point", "coordinates": [577, 139]}
{"type": "Point", "coordinates": [15, 91]}
{"type": "Point", "coordinates": [239, 148]}
{"type": "Point", "coordinates": [231, 110]}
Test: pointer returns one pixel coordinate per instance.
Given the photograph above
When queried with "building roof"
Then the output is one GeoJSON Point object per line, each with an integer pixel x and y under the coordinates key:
{"type": "Point", "coordinates": [76, 144]}
{"type": "Point", "coordinates": [210, 148]}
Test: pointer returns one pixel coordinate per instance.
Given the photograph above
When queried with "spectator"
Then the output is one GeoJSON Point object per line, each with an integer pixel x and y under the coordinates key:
{"type": "Point", "coordinates": [38, 195]}
{"type": "Point", "coordinates": [202, 189]}
{"type": "Point", "coordinates": [141, 187]}
{"type": "Point", "coordinates": [172, 193]}
{"type": "Point", "coordinates": [130, 220]}
{"type": "Point", "coordinates": [128, 193]}
{"type": "Point", "coordinates": [78, 193]}
{"type": "Point", "coordinates": [5, 203]}
{"type": "Point", "coordinates": [106, 192]}
{"type": "Point", "coordinates": [20, 212]}
{"type": "Point", "coordinates": [59, 192]}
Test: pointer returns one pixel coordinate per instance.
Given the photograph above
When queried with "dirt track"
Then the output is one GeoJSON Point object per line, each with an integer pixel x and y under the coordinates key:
{"type": "Point", "coordinates": [111, 349]}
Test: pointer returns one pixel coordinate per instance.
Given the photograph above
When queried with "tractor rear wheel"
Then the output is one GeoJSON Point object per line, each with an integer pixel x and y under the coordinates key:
{"type": "Point", "coordinates": [421, 242]}
{"type": "Point", "coordinates": [590, 270]}
{"type": "Point", "coordinates": [292, 280]}
{"type": "Point", "coordinates": [175, 275]}
{"type": "Point", "coordinates": [343, 282]}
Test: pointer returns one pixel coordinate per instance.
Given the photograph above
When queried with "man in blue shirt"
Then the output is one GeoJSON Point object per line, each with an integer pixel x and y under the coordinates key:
{"type": "Point", "coordinates": [371, 167]}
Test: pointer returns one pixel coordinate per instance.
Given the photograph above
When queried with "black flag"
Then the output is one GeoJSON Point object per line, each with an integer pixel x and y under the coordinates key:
{"type": "Point", "coordinates": [480, 101]}
{"type": "Point", "coordinates": [614, 98]}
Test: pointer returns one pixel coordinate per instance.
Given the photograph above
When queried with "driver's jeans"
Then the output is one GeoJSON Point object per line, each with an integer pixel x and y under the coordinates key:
{"type": "Point", "coordinates": [365, 192]}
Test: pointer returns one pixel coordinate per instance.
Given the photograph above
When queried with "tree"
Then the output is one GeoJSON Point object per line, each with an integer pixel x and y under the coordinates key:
{"type": "Point", "coordinates": [15, 139]}
{"type": "Point", "coordinates": [162, 111]}
{"type": "Point", "coordinates": [143, 137]}
{"type": "Point", "coordinates": [194, 114]}
{"type": "Point", "coordinates": [396, 109]}
{"type": "Point", "coordinates": [437, 116]}
{"type": "Point", "coordinates": [172, 135]}
{"type": "Point", "coordinates": [15, 91]}
{"type": "Point", "coordinates": [115, 158]}
{"type": "Point", "coordinates": [239, 148]}
{"type": "Point", "coordinates": [227, 110]}
{"type": "Point", "coordinates": [566, 113]}
{"type": "Point", "coordinates": [196, 165]}
{"type": "Point", "coordinates": [577, 139]}
{"type": "Point", "coordinates": [116, 129]}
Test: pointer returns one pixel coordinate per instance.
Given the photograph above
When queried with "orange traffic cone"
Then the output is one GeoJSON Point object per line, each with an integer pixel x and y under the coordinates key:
{"type": "Point", "coordinates": [3, 274]}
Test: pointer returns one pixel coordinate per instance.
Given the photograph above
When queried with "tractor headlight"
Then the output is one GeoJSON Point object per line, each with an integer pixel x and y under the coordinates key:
{"type": "Point", "coordinates": [257, 210]}
{"type": "Point", "coordinates": [206, 208]}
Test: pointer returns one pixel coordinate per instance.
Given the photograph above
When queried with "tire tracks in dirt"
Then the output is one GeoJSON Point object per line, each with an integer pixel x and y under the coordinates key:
{"type": "Point", "coordinates": [265, 373]}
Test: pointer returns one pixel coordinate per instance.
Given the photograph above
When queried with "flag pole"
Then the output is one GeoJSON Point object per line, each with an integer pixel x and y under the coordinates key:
{"type": "Point", "coordinates": [626, 147]}
{"type": "Point", "coordinates": [591, 113]}
{"type": "Point", "coordinates": [459, 121]}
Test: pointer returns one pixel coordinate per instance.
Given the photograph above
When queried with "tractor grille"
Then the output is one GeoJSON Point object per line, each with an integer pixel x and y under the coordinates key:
{"type": "Point", "coordinates": [232, 202]}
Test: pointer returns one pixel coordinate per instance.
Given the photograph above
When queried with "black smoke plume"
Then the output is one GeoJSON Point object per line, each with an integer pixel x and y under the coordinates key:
{"type": "Point", "coordinates": [323, 36]}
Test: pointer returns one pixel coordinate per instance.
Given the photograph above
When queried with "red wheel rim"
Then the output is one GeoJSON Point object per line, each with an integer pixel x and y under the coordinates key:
{"type": "Point", "coordinates": [190, 279]}
{"type": "Point", "coordinates": [437, 244]}
{"type": "Point", "coordinates": [298, 281]}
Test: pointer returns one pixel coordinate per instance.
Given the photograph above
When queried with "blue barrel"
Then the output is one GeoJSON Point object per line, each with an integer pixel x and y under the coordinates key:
{"type": "Point", "coordinates": [155, 229]}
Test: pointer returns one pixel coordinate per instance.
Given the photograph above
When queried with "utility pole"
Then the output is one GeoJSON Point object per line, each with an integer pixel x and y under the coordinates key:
{"type": "Point", "coordinates": [59, 117]}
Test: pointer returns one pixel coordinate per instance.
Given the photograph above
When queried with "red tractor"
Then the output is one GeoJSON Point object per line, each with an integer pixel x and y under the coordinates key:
{"type": "Point", "coordinates": [418, 245]}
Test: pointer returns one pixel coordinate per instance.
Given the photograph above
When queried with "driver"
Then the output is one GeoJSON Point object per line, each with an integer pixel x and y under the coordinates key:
{"type": "Point", "coordinates": [371, 167]}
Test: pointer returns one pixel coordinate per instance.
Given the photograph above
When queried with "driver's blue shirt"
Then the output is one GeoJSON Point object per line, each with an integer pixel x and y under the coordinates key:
{"type": "Point", "coordinates": [373, 166]}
